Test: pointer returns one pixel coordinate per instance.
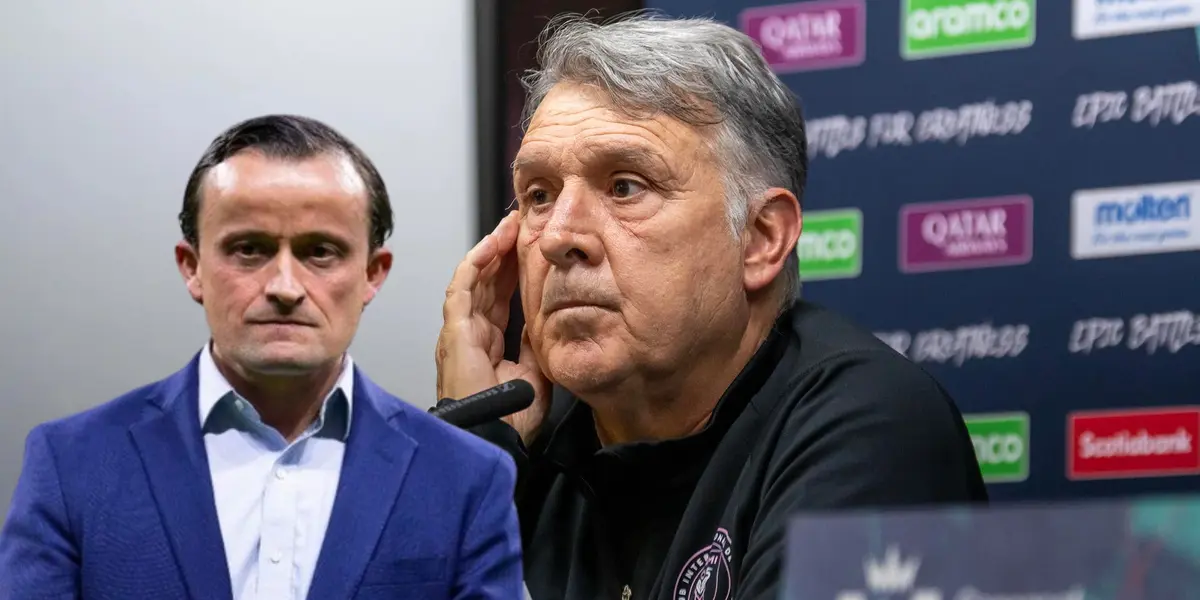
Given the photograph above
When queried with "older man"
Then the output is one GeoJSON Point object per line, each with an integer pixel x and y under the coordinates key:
{"type": "Point", "coordinates": [688, 402]}
{"type": "Point", "coordinates": [270, 467]}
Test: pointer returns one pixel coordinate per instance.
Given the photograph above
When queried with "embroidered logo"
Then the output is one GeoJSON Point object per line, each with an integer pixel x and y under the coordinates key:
{"type": "Point", "coordinates": [706, 575]}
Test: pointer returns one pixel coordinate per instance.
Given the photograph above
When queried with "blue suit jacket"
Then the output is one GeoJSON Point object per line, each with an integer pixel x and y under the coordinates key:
{"type": "Point", "coordinates": [116, 503]}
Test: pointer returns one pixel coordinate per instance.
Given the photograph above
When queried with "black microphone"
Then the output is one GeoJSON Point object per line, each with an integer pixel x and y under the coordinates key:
{"type": "Point", "coordinates": [490, 404]}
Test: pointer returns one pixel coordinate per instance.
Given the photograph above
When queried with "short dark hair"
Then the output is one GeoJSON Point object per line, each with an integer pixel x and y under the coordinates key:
{"type": "Point", "coordinates": [286, 137]}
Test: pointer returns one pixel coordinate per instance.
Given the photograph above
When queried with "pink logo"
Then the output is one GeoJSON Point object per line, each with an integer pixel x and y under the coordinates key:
{"type": "Point", "coordinates": [706, 575]}
{"type": "Point", "coordinates": [809, 35]}
{"type": "Point", "coordinates": [966, 234]}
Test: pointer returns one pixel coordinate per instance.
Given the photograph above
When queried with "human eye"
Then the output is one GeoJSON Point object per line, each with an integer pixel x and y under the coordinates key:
{"type": "Point", "coordinates": [625, 188]}
{"type": "Point", "coordinates": [248, 251]}
{"type": "Point", "coordinates": [536, 198]}
{"type": "Point", "coordinates": [324, 254]}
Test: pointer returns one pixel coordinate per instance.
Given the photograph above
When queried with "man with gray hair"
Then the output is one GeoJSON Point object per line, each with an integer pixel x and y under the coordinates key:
{"type": "Point", "coordinates": [688, 402]}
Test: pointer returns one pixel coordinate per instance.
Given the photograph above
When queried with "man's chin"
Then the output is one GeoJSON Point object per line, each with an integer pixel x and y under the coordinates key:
{"type": "Point", "coordinates": [283, 368]}
{"type": "Point", "coordinates": [584, 369]}
{"type": "Point", "coordinates": [285, 362]}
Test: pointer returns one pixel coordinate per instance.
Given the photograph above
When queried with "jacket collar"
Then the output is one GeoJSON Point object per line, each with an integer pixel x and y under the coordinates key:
{"type": "Point", "coordinates": [171, 446]}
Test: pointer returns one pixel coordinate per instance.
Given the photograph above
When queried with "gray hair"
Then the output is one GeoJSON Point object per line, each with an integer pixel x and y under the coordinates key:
{"type": "Point", "coordinates": [700, 72]}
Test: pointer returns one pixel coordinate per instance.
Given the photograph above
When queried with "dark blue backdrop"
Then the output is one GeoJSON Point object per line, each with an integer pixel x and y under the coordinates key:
{"type": "Point", "coordinates": [1049, 160]}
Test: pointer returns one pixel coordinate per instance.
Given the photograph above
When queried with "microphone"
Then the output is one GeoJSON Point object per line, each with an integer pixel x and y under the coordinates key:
{"type": "Point", "coordinates": [490, 404]}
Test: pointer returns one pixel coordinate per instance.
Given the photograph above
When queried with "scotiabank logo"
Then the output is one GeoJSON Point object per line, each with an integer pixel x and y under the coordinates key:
{"type": "Point", "coordinates": [1133, 443]}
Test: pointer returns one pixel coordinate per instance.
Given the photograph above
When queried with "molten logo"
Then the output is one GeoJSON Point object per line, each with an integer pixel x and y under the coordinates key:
{"type": "Point", "coordinates": [1145, 208]}
{"type": "Point", "coordinates": [1104, 18]}
{"type": "Point", "coordinates": [1148, 219]}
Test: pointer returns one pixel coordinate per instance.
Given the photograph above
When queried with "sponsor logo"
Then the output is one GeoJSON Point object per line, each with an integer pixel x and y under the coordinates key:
{"type": "Point", "coordinates": [1104, 18]}
{"type": "Point", "coordinates": [706, 575]}
{"type": "Point", "coordinates": [1133, 443]}
{"type": "Point", "coordinates": [1151, 219]}
{"type": "Point", "coordinates": [1167, 331]}
{"type": "Point", "coordinates": [809, 35]}
{"type": "Point", "coordinates": [1154, 105]}
{"type": "Point", "coordinates": [830, 246]}
{"type": "Point", "coordinates": [895, 577]}
{"type": "Point", "coordinates": [1001, 445]}
{"type": "Point", "coordinates": [931, 28]}
{"type": "Point", "coordinates": [959, 345]}
{"type": "Point", "coordinates": [966, 234]}
{"type": "Point", "coordinates": [833, 135]}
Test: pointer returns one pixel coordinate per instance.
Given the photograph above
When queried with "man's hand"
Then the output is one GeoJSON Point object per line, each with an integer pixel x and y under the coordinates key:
{"type": "Point", "coordinates": [470, 349]}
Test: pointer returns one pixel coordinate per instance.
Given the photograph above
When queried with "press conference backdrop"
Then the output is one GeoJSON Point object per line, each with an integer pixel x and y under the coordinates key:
{"type": "Point", "coordinates": [106, 106]}
{"type": "Point", "coordinates": [1006, 191]}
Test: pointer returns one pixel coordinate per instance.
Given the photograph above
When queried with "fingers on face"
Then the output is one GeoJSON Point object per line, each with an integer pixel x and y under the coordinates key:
{"type": "Point", "coordinates": [506, 232]}
{"type": "Point", "coordinates": [466, 276]}
{"type": "Point", "coordinates": [486, 252]}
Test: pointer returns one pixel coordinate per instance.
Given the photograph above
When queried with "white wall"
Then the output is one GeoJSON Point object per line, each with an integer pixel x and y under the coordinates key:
{"type": "Point", "coordinates": [104, 109]}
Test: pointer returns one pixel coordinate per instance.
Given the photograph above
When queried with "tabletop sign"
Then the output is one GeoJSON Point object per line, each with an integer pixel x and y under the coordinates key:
{"type": "Point", "coordinates": [1132, 549]}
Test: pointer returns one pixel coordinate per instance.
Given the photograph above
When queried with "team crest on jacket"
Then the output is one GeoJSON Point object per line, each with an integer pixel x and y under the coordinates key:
{"type": "Point", "coordinates": [706, 575]}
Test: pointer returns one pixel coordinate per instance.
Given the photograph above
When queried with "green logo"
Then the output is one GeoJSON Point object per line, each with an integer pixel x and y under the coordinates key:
{"type": "Point", "coordinates": [1001, 445]}
{"type": "Point", "coordinates": [932, 28]}
{"type": "Point", "coordinates": [830, 245]}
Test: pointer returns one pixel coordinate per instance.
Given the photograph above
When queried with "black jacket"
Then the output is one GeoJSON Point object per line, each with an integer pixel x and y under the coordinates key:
{"type": "Point", "coordinates": [825, 416]}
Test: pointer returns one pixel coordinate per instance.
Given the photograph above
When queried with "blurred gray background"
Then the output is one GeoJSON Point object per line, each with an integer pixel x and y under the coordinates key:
{"type": "Point", "coordinates": [105, 108]}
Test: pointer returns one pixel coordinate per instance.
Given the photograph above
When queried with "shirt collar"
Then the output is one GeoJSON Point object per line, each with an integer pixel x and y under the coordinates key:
{"type": "Point", "coordinates": [214, 388]}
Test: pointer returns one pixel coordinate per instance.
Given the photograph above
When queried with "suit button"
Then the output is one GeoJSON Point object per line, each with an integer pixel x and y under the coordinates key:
{"type": "Point", "coordinates": [275, 558]}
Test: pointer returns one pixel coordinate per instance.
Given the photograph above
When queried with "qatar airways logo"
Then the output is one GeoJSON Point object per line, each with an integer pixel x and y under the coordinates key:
{"type": "Point", "coordinates": [966, 234]}
{"type": "Point", "coordinates": [806, 36]}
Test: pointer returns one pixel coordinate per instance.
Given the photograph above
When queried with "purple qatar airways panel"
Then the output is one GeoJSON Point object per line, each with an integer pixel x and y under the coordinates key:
{"type": "Point", "coordinates": [806, 36]}
{"type": "Point", "coordinates": [966, 234]}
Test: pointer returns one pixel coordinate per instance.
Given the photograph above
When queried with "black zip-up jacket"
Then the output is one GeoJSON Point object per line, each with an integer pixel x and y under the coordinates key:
{"type": "Point", "coordinates": [824, 416]}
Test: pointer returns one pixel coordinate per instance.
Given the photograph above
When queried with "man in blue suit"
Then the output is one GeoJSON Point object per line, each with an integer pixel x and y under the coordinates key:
{"type": "Point", "coordinates": [270, 467]}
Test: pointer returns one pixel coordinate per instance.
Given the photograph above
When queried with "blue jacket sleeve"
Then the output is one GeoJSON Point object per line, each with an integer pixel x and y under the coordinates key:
{"type": "Point", "coordinates": [490, 560]}
{"type": "Point", "coordinates": [38, 552]}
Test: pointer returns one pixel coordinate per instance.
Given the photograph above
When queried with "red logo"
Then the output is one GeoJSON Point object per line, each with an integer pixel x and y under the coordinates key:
{"type": "Point", "coordinates": [1133, 443]}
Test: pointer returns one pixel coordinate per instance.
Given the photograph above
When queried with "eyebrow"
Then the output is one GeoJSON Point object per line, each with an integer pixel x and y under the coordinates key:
{"type": "Point", "coordinates": [632, 156]}
{"type": "Point", "coordinates": [316, 235]}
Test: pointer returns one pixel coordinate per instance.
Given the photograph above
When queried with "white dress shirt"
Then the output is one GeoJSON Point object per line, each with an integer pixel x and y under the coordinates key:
{"type": "Point", "coordinates": [273, 498]}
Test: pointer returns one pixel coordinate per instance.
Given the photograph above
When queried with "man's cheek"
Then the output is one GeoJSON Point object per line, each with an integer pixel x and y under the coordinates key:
{"type": "Point", "coordinates": [527, 237]}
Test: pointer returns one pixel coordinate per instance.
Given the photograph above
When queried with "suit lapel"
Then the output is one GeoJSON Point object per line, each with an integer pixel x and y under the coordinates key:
{"type": "Point", "coordinates": [376, 461]}
{"type": "Point", "coordinates": [171, 446]}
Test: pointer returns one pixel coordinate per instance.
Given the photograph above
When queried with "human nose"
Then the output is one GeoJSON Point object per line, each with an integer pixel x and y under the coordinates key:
{"type": "Point", "coordinates": [571, 234]}
{"type": "Point", "coordinates": [284, 289]}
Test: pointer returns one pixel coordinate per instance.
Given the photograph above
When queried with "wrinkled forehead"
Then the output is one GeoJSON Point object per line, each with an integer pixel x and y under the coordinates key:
{"type": "Point", "coordinates": [579, 124]}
